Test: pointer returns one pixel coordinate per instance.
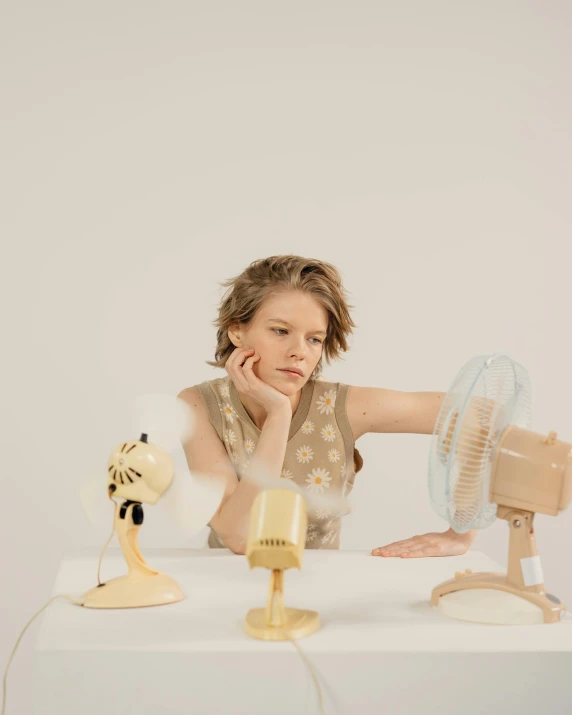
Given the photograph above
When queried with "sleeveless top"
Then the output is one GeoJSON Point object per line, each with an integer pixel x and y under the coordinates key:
{"type": "Point", "coordinates": [320, 453]}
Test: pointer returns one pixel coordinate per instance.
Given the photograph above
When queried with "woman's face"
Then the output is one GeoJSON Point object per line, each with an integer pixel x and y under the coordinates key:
{"type": "Point", "coordinates": [287, 332]}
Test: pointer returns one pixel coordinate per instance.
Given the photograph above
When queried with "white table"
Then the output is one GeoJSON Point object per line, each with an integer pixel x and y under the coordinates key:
{"type": "Point", "coordinates": [382, 647]}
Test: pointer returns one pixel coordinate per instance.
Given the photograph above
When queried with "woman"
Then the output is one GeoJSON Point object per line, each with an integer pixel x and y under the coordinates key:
{"type": "Point", "coordinates": [271, 414]}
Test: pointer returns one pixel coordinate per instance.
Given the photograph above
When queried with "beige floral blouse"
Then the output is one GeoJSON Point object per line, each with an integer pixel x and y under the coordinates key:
{"type": "Point", "coordinates": [320, 454]}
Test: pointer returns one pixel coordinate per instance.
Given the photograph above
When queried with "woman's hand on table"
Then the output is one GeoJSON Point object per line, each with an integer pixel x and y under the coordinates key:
{"type": "Point", "coordinates": [446, 543]}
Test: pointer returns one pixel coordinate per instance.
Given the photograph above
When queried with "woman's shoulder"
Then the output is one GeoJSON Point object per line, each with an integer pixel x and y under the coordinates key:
{"type": "Point", "coordinates": [336, 389]}
{"type": "Point", "coordinates": [205, 394]}
{"type": "Point", "coordinates": [206, 399]}
{"type": "Point", "coordinates": [323, 384]}
{"type": "Point", "coordinates": [215, 386]}
{"type": "Point", "coordinates": [328, 397]}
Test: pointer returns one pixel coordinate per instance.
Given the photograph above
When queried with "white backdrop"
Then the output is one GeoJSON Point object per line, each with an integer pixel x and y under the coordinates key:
{"type": "Point", "coordinates": [148, 153]}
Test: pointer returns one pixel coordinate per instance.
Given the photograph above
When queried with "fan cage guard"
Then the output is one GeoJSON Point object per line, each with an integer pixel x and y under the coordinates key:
{"type": "Point", "coordinates": [488, 394]}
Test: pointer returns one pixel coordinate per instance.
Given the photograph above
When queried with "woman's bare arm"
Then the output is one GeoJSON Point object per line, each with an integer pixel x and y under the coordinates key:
{"type": "Point", "coordinates": [373, 409]}
{"type": "Point", "coordinates": [206, 454]}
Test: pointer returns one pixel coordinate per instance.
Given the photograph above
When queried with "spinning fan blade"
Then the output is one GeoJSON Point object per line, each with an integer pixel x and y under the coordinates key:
{"type": "Point", "coordinates": [165, 419]}
{"type": "Point", "coordinates": [95, 501]}
{"type": "Point", "coordinates": [193, 498]}
{"type": "Point", "coordinates": [329, 499]}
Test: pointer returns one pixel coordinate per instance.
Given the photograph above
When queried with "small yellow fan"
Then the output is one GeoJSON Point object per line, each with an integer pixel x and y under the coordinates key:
{"type": "Point", "coordinates": [142, 472]}
{"type": "Point", "coordinates": [276, 541]}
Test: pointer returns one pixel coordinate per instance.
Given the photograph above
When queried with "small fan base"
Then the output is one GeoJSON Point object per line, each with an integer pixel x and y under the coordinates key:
{"type": "Point", "coordinates": [134, 591]}
{"type": "Point", "coordinates": [299, 623]}
{"type": "Point", "coordinates": [491, 606]}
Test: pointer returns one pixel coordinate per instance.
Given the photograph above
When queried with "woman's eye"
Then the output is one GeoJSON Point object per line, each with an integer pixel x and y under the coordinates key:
{"type": "Point", "coordinates": [283, 331]}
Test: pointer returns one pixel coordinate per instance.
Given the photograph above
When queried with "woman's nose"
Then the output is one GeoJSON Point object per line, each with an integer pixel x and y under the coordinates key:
{"type": "Point", "coordinates": [297, 348]}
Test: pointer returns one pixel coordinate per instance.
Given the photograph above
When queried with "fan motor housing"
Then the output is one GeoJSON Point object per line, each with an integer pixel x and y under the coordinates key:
{"type": "Point", "coordinates": [277, 533]}
{"type": "Point", "coordinates": [531, 472]}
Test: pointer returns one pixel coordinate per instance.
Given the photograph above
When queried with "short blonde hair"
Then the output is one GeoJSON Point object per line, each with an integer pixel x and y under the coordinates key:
{"type": "Point", "coordinates": [246, 292]}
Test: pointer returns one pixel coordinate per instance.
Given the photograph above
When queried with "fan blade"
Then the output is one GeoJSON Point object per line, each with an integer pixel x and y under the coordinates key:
{"type": "Point", "coordinates": [193, 498]}
{"type": "Point", "coordinates": [330, 499]}
{"type": "Point", "coordinates": [165, 419]}
{"type": "Point", "coordinates": [95, 501]}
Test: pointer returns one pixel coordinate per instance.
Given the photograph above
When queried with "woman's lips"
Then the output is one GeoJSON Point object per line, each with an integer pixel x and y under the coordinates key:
{"type": "Point", "coordinates": [290, 373]}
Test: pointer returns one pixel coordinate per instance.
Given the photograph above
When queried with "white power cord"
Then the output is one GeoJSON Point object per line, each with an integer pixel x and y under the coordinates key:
{"type": "Point", "coordinates": [10, 659]}
{"type": "Point", "coordinates": [73, 599]}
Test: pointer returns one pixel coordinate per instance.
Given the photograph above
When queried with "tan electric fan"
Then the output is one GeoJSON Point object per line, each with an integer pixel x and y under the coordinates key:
{"type": "Point", "coordinates": [276, 541]}
{"type": "Point", "coordinates": [485, 463]}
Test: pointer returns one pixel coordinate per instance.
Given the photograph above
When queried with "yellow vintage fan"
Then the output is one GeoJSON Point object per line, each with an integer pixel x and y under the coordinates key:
{"type": "Point", "coordinates": [142, 472]}
{"type": "Point", "coordinates": [276, 541]}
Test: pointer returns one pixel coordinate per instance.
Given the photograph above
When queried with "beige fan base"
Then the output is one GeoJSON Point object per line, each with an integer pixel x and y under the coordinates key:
{"type": "Point", "coordinates": [276, 540]}
{"type": "Point", "coordinates": [142, 585]}
{"type": "Point", "coordinates": [276, 623]}
{"type": "Point", "coordinates": [498, 598]}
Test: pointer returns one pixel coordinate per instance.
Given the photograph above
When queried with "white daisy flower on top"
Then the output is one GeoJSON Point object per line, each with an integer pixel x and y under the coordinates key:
{"type": "Point", "coordinates": [304, 454]}
{"type": "Point", "coordinates": [334, 455]}
{"type": "Point", "coordinates": [327, 402]}
{"type": "Point", "coordinates": [230, 437]}
{"type": "Point", "coordinates": [328, 433]}
{"type": "Point", "coordinates": [322, 514]}
{"type": "Point", "coordinates": [234, 457]}
{"type": "Point", "coordinates": [308, 427]}
{"type": "Point", "coordinates": [343, 471]}
{"type": "Point", "coordinates": [249, 445]}
{"type": "Point", "coordinates": [224, 390]}
{"type": "Point", "coordinates": [228, 412]}
{"type": "Point", "coordinates": [286, 474]}
{"type": "Point", "coordinates": [318, 480]}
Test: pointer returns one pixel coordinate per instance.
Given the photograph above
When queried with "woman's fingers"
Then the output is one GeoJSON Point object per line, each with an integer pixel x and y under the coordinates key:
{"type": "Point", "coordinates": [426, 549]}
{"type": "Point", "coordinates": [434, 544]}
{"type": "Point", "coordinates": [419, 553]}
{"type": "Point", "coordinates": [231, 362]}
{"type": "Point", "coordinates": [234, 368]}
{"type": "Point", "coordinates": [398, 547]}
{"type": "Point", "coordinates": [237, 357]}
{"type": "Point", "coordinates": [422, 549]}
{"type": "Point", "coordinates": [248, 372]}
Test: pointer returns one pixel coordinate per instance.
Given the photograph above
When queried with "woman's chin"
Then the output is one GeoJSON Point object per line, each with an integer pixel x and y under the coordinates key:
{"type": "Point", "coordinates": [284, 386]}
{"type": "Point", "coordinates": [284, 389]}
{"type": "Point", "coordinates": [288, 388]}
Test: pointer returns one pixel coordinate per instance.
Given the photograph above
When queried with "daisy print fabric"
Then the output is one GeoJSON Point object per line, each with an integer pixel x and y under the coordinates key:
{"type": "Point", "coordinates": [326, 402]}
{"type": "Point", "coordinates": [308, 427]}
{"type": "Point", "coordinates": [228, 412]}
{"type": "Point", "coordinates": [315, 458]}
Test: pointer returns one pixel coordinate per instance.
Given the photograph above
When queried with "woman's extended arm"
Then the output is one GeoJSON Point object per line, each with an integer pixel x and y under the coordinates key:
{"type": "Point", "coordinates": [372, 409]}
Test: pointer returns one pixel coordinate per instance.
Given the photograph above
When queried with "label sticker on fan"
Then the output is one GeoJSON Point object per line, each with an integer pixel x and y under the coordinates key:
{"type": "Point", "coordinates": [532, 571]}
